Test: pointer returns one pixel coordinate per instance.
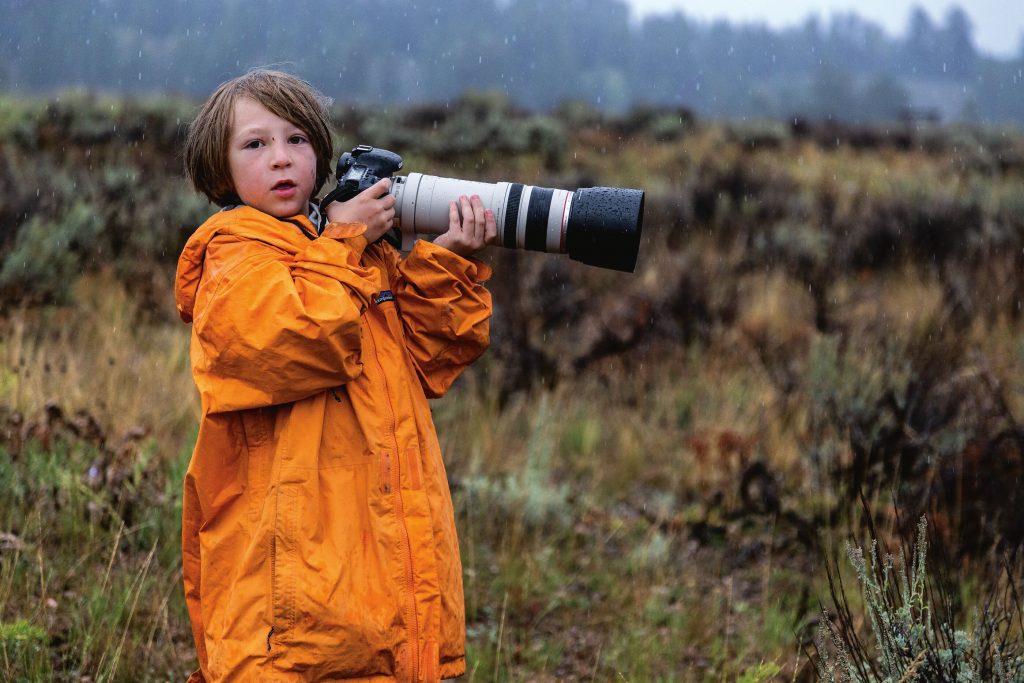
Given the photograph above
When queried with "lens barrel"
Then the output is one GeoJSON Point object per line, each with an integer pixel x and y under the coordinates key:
{"type": "Point", "coordinates": [599, 226]}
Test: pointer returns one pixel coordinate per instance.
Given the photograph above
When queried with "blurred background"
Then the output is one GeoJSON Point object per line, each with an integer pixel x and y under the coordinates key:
{"type": "Point", "coordinates": [788, 447]}
{"type": "Point", "coordinates": [861, 62]}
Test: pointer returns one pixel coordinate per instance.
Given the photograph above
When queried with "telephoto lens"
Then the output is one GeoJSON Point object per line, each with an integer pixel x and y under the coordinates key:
{"type": "Point", "coordinates": [599, 226]}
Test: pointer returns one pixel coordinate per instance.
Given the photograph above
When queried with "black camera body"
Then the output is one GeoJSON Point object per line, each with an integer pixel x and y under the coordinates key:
{"type": "Point", "coordinates": [360, 169]}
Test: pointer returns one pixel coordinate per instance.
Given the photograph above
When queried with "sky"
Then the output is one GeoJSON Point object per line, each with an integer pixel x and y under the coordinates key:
{"type": "Point", "coordinates": [998, 24]}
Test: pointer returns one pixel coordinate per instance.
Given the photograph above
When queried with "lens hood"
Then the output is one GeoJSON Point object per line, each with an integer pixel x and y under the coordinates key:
{"type": "Point", "coordinates": [604, 227]}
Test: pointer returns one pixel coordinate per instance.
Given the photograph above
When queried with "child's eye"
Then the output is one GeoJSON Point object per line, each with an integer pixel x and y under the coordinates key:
{"type": "Point", "coordinates": [297, 139]}
{"type": "Point", "coordinates": [253, 144]}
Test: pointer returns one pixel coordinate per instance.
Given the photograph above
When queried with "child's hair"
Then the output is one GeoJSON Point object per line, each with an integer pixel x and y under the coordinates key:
{"type": "Point", "coordinates": [290, 97]}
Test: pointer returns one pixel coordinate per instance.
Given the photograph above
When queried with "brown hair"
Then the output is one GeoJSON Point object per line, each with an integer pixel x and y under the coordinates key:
{"type": "Point", "coordinates": [290, 97]}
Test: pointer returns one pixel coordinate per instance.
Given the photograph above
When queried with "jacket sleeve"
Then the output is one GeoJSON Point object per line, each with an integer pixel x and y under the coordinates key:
{"type": "Point", "coordinates": [273, 327]}
{"type": "Point", "coordinates": [445, 311]}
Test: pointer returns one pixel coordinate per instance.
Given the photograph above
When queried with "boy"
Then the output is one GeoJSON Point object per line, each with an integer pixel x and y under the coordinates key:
{"type": "Point", "coordinates": [318, 531]}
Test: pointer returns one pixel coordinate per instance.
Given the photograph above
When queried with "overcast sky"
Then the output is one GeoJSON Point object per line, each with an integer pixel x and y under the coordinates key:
{"type": "Point", "coordinates": [998, 24]}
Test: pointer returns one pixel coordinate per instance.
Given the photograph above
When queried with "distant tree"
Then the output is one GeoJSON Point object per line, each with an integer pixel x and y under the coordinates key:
{"type": "Point", "coordinates": [958, 44]}
{"type": "Point", "coordinates": [921, 31]}
{"type": "Point", "coordinates": [883, 99]}
{"type": "Point", "coordinates": [921, 44]}
{"type": "Point", "coordinates": [833, 94]}
{"type": "Point", "coordinates": [851, 42]}
{"type": "Point", "coordinates": [999, 91]}
{"type": "Point", "coordinates": [665, 71]}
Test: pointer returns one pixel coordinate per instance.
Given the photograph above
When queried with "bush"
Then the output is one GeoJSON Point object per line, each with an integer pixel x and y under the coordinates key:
{"type": "Point", "coordinates": [913, 629]}
{"type": "Point", "coordinates": [48, 256]}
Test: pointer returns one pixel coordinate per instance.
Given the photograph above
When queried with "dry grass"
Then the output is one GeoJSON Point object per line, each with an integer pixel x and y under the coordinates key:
{"type": "Point", "coordinates": [102, 356]}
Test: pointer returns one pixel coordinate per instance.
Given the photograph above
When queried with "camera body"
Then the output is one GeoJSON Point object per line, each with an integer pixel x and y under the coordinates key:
{"type": "Point", "coordinates": [362, 168]}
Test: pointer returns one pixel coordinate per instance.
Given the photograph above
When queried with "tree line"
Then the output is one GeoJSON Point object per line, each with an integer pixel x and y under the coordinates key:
{"type": "Point", "coordinates": [537, 53]}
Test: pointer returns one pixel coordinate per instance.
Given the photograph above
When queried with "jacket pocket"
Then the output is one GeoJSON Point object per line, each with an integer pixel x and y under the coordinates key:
{"type": "Point", "coordinates": [348, 615]}
{"type": "Point", "coordinates": [258, 429]}
{"type": "Point", "coordinates": [342, 442]}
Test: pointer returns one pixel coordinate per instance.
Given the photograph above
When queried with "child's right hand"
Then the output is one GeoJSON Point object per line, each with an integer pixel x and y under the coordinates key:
{"type": "Point", "coordinates": [373, 207]}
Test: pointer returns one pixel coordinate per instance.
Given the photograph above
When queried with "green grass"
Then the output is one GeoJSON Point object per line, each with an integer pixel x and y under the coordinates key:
{"type": "Point", "coordinates": [81, 591]}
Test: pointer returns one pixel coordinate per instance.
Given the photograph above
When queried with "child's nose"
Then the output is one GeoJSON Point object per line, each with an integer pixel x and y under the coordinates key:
{"type": "Point", "coordinates": [282, 156]}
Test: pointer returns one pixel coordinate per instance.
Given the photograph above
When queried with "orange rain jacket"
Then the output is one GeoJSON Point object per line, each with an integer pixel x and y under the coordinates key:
{"type": "Point", "coordinates": [318, 532]}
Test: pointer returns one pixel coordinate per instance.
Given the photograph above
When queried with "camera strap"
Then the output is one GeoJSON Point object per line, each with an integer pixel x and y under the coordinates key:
{"type": "Point", "coordinates": [332, 196]}
{"type": "Point", "coordinates": [392, 237]}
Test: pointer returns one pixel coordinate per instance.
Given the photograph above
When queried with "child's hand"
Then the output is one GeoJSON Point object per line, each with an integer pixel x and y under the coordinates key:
{"type": "Point", "coordinates": [472, 231]}
{"type": "Point", "coordinates": [373, 207]}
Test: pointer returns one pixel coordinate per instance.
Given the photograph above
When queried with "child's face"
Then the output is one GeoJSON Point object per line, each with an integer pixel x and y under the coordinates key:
{"type": "Point", "coordinates": [272, 162]}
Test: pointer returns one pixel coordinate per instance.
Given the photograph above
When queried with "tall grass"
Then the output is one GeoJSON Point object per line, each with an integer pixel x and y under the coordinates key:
{"type": "Point", "coordinates": [98, 415]}
{"type": "Point", "coordinates": [104, 357]}
{"type": "Point", "coordinates": [82, 592]}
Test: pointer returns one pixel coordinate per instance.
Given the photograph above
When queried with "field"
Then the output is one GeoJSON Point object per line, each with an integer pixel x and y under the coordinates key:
{"type": "Point", "coordinates": [656, 475]}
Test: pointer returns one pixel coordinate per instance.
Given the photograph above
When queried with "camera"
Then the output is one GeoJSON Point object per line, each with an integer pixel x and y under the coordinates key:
{"type": "Point", "coordinates": [599, 226]}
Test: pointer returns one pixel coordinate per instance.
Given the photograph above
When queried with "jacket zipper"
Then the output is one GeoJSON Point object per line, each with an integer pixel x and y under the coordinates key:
{"type": "Point", "coordinates": [274, 588]}
{"type": "Point", "coordinates": [273, 570]}
{"type": "Point", "coordinates": [396, 487]}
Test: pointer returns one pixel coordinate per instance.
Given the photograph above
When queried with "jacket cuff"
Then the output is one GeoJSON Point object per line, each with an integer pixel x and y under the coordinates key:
{"type": "Point", "coordinates": [464, 268]}
{"type": "Point", "coordinates": [351, 234]}
{"type": "Point", "coordinates": [343, 230]}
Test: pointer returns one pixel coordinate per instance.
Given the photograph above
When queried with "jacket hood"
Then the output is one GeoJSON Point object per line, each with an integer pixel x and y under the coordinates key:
{"type": "Point", "coordinates": [287, 234]}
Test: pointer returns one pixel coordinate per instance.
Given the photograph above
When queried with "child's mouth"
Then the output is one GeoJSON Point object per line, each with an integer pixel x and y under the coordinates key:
{"type": "Point", "coordinates": [285, 188]}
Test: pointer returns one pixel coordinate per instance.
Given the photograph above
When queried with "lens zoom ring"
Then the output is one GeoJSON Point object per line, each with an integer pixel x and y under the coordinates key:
{"type": "Point", "coordinates": [537, 218]}
{"type": "Point", "coordinates": [515, 194]}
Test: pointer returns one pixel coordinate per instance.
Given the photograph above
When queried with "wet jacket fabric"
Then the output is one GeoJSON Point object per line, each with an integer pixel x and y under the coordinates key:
{"type": "Point", "coordinates": [318, 532]}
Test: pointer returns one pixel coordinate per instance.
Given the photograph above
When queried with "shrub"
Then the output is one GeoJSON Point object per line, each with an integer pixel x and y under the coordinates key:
{"type": "Point", "coordinates": [527, 499]}
{"type": "Point", "coordinates": [48, 256]}
{"type": "Point", "coordinates": [914, 633]}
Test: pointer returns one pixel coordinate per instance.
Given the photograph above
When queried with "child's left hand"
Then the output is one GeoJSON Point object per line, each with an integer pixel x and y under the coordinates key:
{"type": "Point", "coordinates": [471, 231]}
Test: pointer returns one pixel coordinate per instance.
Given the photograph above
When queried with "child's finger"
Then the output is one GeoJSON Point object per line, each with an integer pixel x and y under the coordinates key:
{"type": "Point", "coordinates": [490, 227]}
{"type": "Point", "coordinates": [469, 219]}
{"type": "Point", "coordinates": [379, 188]}
{"type": "Point", "coordinates": [479, 219]}
{"type": "Point", "coordinates": [467, 215]}
{"type": "Point", "coordinates": [454, 220]}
